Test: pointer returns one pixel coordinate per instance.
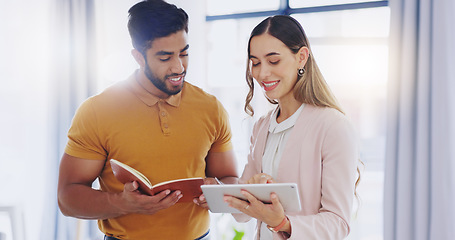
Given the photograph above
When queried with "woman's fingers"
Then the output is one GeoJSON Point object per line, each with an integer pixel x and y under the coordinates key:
{"type": "Point", "coordinates": [261, 178]}
{"type": "Point", "coordinates": [237, 203]}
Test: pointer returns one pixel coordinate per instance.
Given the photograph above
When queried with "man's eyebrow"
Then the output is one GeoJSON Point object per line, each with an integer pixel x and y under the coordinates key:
{"type": "Point", "coordinates": [185, 48]}
{"type": "Point", "coordinates": [164, 53]}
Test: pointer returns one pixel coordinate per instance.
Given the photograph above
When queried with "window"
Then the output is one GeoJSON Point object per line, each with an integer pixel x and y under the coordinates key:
{"type": "Point", "coordinates": [316, 3]}
{"type": "Point", "coordinates": [350, 43]}
{"type": "Point", "coordinates": [216, 7]}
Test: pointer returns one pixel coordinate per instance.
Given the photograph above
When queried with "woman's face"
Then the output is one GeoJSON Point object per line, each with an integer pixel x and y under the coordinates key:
{"type": "Point", "coordinates": [274, 66]}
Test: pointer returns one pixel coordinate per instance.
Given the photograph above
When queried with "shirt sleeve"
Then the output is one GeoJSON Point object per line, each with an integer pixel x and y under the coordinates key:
{"type": "Point", "coordinates": [223, 136]}
{"type": "Point", "coordinates": [83, 135]}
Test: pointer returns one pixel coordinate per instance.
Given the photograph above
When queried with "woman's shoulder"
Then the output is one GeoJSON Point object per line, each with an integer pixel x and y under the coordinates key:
{"type": "Point", "coordinates": [324, 114]}
{"type": "Point", "coordinates": [262, 121]}
{"type": "Point", "coordinates": [322, 119]}
{"type": "Point", "coordinates": [265, 118]}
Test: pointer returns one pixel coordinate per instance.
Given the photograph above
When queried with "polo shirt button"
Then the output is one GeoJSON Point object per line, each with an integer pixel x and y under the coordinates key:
{"type": "Point", "coordinates": [165, 125]}
{"type": "Point", "coordinates": [163, 114]}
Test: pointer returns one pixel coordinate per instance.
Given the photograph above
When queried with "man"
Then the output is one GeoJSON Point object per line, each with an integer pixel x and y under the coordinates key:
{"type": "Point", "coordinates": [155, 122]}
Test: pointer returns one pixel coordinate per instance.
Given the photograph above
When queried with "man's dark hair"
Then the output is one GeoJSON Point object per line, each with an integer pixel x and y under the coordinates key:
{"type": "Point", "coordinates": [152, 19]}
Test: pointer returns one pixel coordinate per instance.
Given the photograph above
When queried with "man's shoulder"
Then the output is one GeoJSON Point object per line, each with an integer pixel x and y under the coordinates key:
{"type": "Point", "coordinates": [196, 90]}
{"type": "Point", "coordinates": [114, 92]}
{"type": "Point", "coordinates": [114, 95]}
{"type": "Point", "coordinates": [198, 93]}
{"type": "Point", "coordinates": [115, 88]}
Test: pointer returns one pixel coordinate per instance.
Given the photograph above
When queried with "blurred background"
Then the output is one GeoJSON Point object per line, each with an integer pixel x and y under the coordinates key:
{"type": "Point", "coordinates": [390, 64]}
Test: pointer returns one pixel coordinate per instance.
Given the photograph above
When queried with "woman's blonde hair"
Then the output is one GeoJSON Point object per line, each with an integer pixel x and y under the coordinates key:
{"type": "Point", "coordinates": [311, 87]}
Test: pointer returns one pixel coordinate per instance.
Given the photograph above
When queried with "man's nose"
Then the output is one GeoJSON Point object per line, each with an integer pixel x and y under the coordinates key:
{"type": "Point", "coordinates": [177, 66]}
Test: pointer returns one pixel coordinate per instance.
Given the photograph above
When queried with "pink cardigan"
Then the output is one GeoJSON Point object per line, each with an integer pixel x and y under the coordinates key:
{"type": "Point", "coordinates": [321, 157]}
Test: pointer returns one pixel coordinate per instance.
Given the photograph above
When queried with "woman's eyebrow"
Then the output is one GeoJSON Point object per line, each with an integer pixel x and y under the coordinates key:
{"type": "Point", "coordinates": [272, 54]}
{"type": "Point", "coordinates": [267, 55]}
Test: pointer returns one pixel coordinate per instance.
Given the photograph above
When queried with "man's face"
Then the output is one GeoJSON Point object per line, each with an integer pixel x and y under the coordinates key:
{"type": "Point", "coordinates": [166, 63]}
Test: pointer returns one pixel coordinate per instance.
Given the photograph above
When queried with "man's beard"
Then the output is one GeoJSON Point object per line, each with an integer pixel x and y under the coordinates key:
{"type": "Point", "coordinates": [161, 83]}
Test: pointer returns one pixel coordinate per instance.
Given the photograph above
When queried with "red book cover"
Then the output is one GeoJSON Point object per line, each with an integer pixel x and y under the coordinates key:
{"type": "Point", "coordinates": [190, 187]}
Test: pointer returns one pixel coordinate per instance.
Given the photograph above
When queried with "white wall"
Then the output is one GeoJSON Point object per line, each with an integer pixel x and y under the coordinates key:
{"type": "Point", "coordinates": [24, 108]}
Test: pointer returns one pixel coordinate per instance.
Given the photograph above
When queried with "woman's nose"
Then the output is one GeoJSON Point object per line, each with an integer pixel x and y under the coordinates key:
{"type": "Point", "coordinates": [264, 72]}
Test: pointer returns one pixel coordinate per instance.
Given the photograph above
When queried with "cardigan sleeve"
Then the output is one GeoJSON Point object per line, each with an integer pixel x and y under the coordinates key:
{"type": "Point", "coordinates": [339, 164]}
{"type": "Point", "coordinates": [253, 166]}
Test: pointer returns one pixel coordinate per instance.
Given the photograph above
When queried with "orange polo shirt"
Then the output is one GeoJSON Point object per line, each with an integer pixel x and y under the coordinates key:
{"type": "Point", "coordinates": [163, 139]}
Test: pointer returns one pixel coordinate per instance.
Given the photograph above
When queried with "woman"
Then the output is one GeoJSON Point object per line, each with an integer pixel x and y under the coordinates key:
{"type": "Point", "coordinates": [306, 139]}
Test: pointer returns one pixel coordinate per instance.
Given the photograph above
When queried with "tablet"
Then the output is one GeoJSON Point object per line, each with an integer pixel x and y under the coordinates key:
{"type": "Point", "coordinates": [287, 193]}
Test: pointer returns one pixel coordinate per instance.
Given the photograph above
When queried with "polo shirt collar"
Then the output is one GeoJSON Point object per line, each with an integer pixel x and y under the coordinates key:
{"type": "Point", "coordinates": [149, 99]}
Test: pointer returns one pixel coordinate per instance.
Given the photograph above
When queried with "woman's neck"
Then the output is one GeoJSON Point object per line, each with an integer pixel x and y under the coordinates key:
{"type": "Point", "coordinates": [287, 108]}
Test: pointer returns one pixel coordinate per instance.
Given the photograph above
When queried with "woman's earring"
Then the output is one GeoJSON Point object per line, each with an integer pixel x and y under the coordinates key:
{"type": "Point", "coordinates": [301, 71]}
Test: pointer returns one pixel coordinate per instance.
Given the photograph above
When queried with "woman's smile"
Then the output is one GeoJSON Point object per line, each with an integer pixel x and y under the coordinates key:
{"type": "Point", "coordinates": [270, 85]}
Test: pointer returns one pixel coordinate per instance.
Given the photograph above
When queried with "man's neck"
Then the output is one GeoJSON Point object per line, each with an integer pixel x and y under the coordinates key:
{"type": "Point", "coordinates": [148, 86]}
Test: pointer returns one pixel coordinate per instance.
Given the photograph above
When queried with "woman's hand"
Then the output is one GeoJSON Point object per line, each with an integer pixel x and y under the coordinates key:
{"type": "Point", "coordinates": [269, 213]}
{"type": "Point", "coordinates": [261, 178]}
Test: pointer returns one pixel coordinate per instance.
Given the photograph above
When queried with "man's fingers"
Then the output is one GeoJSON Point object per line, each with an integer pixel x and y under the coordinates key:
{"type": "Point", "coordinates": [131, 186]}
{"type": "Point", "coordinates": [201, 202]}
{"type": "Point", "coordinates": [172, 196]}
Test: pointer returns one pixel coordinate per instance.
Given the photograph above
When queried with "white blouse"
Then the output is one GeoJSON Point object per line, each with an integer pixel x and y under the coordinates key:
{"type": "Point", "coordinates": [274, 147]}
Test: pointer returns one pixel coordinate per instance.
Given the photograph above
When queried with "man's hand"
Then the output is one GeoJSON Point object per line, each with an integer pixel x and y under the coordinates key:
{"type": "Point", "coordinates": [221, 165]}
{"type": "Point", "coordinates": [135, 202]}
{"type": "Point", "coordinates": [77, 198]}
{"type": "Point", "coordinates": [201, 201]}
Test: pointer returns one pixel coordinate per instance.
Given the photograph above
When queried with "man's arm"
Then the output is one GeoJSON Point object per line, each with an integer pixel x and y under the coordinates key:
{"type": "Point", "coordinates": [77, 198]}
{"type": "Point", "coordinates": [222, 165]}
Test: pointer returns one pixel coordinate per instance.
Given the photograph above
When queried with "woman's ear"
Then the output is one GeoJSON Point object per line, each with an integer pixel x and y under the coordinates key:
{"type": "Point", "coordinates": [303, 54]}
{"type": "Point", "coordinates": [138, 57]}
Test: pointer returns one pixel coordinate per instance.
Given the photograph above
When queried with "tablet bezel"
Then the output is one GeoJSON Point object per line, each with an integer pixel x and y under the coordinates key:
{"type": "Point", "coordinates": [287, 193]}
